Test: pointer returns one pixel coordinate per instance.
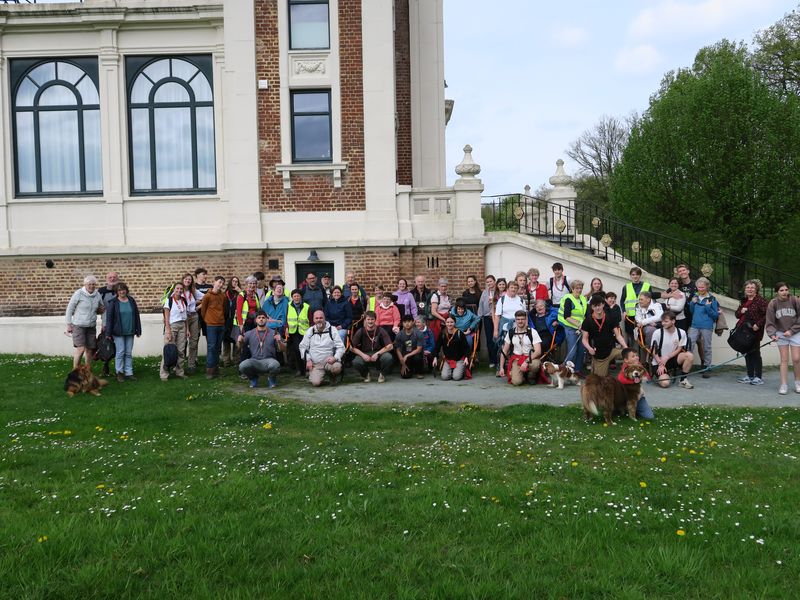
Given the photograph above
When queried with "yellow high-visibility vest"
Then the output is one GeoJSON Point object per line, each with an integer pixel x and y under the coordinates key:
{"type": "Point", "coordinates": [579, 305]}
{"type": "Point", "coordinates": [297, 322]}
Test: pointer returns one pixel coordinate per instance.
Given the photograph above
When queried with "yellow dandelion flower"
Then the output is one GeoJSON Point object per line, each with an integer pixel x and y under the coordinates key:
{"type": "Point", "coordinates": [267, 425]}
{"type": "Point", "coordinates": [680, 532]}
{"type": "Point", "coordinates": [67, 432]}
{"type": "Point", "coordinates": [574, 463]}
{"type": "Point", "coordinates": [663, 459]}
{"type": "Point", "coordinates": [642, 484]}
{"type": "Point", "coordinates": [98, 428]}
{"type": "Point", "coordinates": [692, 452]}
{"type": "Point", "coordinates": [529, 493]}
{"type": "Point", "coordinates": [638, 453]}
{"type": "Point", "coordinates": [42, 538]}
{"type": "Point", "coordinates": [123, 437]}
{"type": "Point", "coordinates": [461, 466]}
{"type": "Point", "coordinates": [100, 486]}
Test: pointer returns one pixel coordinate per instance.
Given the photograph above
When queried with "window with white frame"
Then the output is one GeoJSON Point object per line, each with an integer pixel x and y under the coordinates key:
{"type": "Point", "coordinates": [308, 25]}
{"type": "Point", "coordinates": [311, 126]}
{"type": "Point", "coordinates": [171, 124]}
{"type": "Point", "coordinates": [56, 127]}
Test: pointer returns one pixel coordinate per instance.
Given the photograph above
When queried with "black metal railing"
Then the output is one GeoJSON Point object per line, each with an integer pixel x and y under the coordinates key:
{"type": "Point", "coordinates": [592, 228]}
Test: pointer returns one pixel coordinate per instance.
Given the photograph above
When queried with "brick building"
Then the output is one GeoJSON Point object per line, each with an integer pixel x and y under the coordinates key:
{"type": "Point", "coordinates": [151, 137]}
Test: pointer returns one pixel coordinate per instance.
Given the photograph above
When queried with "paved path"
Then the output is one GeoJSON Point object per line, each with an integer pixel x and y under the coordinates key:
{"type": "Point", "coordinates": [484, 389]}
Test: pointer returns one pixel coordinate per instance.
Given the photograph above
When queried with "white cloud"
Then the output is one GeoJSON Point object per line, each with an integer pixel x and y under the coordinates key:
{"type": "Point", "coordinates": [637, 60]}
{"type": "Point", "coordinates": [669, 19]}
{"type": "Point", "coordinates": [569, 36]}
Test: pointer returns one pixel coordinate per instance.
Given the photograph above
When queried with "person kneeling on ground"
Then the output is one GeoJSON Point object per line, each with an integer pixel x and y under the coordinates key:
{"type": "Point", "coordinates": [372, 346]}
{"type": "Point", "coordinates": [669, 352]}
{"type": "Point", "coordinates": [631, 357]}
{"type": "Point", "coordinates": [452, 345]}
{"type": "Point", "coordinates": [322, 350]}
{"type": "Point", "coordinates": [409, 346]}
{"type": "Point", "coordinates": [466, 320]}
{"type": "Point", "coordinates": [429, 347]}
{"type": "Point", "coordinates": [525, 348]}
{"type": "Point", "coordinates": [262, 343]}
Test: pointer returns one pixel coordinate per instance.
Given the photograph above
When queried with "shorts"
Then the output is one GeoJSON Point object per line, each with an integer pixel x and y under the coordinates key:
{"type": "Point", "coordinates": [84, 337]}
{"type": "Point", "coordinates": [672, 363]}
{"type": "Point", "coordinates": [793, 341]}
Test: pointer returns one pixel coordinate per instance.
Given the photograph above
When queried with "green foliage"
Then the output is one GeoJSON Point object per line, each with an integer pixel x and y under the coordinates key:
{"type": "Point", "coordinates": [718, 151]}
{"type": "Point", "coordinates": [777, 54]}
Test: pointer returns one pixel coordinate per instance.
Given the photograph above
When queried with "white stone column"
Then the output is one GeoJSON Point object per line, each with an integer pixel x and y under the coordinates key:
{"type": "Point", "coordinates": [561, 202]}
{"type": "Point", "coordinates": [426, 25]}
{"type": "Point", "coordinates": [6, 176]}
{"type": "Point", "coordinates": [468, 188]}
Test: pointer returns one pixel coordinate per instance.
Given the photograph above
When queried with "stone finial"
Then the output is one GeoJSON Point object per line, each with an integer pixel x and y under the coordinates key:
{"type": "Point", "coordinates": [468, 168]}
{"type": "Point", "coordinates": [527, 190]}
{"type": "Point", "coordinates": [560, 178]}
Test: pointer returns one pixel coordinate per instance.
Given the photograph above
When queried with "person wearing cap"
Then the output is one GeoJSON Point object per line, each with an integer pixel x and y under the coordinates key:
{"type": "Point", "coordinates": [409, 345]}
{"type": "Point", "coordinates": [322, 350]}
{"type": "Point", "coordinates": [276, 304]}
{"type": "Point", "coordinates": [327, 286]}
{"type": "Point", "coordinates": [264, 344]}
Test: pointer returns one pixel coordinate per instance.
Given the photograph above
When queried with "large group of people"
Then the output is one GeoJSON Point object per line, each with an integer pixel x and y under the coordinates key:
{"type": "Point", "coordinates": [319, 329]}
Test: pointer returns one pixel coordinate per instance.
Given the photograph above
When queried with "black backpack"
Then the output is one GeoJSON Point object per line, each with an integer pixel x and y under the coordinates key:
{"type": "Point", "coordinates": [170, 355]}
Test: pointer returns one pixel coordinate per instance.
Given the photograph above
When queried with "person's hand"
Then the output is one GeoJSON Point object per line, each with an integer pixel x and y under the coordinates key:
{"type": "Point", "coordinates": [744, 309]}
{"type": "Point", "coordinates": [661, 370]}
{"type": "Point", "coordinates": [396, 329]}
{"type": "Point", "coordinates": [309, 365]}
{"type": "Point", "coordinates": [694, 299]}
{"type": "Point", "coordinates": [169, 335]}
{"type": "Point", "coordinates": [403, 368]}
{"type": "Point", "coordinates": [69, 328]}
{"type": "Point", "coordinates": [774, 338]}
{"type": "Point", "coordinates": [375, 357]}
{"type": "Point", "coordinates": [331, 360]}
{"type": "Point", "coordinates": [501, 372]}
{"type": "Point", "coordinates": [787, 333]}
{"type": "Point", "coordinates": [591, 351]}
{"type": "Point", "coordinates": [435, 360]}
{"type": "Point", "coordinates": [276, 337]}
{"type": "Point", "coordinates": [468, 331]}
{"type": "Point", "coordinates": [466, 362]}
{"type": "Point", "coordinates": [524, 367]}
{"type": "Point", "coordinates": [755, 327]}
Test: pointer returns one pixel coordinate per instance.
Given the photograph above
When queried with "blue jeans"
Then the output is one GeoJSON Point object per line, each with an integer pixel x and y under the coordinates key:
{"type": "Point", "coordinates": [253, 367]}
{"type": "Point", "coordinates": [214, 335]}
{"type": "Point", "coordinates": [575, 349]}
{"type": "Point", "coordinates": [643, 410]}
{"type": "Point", "coordinates": [123, 362]}
{"type": "Point", "coordinates": [488, 335]}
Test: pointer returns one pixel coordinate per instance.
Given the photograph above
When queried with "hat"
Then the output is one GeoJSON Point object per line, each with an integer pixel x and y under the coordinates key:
{"type": "Point", "coordinates": [325, 275]}
{"type": "Point", "coordinates": [261, 313]}
{"type": "Point", "coordinates": [276, 279]}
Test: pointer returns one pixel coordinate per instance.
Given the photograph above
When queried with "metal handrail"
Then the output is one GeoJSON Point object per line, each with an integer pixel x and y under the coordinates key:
{"type": "Point", "coordinates": [592, 227]}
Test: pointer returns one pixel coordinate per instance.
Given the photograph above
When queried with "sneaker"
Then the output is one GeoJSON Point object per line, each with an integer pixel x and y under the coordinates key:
{"type": "Point", "coordinates": [797, 387]}
{"type": "Point", "coordinates": [745, 379]}
{"type": "Point", "coordinates": [686, 384]}
{"type": "Point", "coordinates": [492, 365]}
{"type": "Point", "coordinates": [381, 378]}
{"type": "Point", "coordinates": [757, 381]}
{"type": "Point", "coordinates": [367, 379]}
{"type": "Point", "coordinates": [783, 390]}
{"type": "Point", "coordinates": [706, 375]}
{"type": "Point", "coordinates": [120, 377]}
{"type": "Point", "coordinates": [254, 382]}
{"type": "Point", "coordinates": [131, 378]}
{"type": "Point", "coordinates": [272, 382]}
{"type": "Point", "coordinates": [420, 376]}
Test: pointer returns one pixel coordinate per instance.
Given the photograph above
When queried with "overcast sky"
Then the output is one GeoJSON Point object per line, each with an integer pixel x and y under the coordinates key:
{"type": "Point", "coordinates": [528, 76]}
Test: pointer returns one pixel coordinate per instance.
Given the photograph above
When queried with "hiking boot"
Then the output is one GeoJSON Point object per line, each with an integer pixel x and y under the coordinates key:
{"type": "Point", "coordinates": [756, 381]}
{"type": "Point", "coordinates": [368, 378]}
{"type": "Point", "coordinates": [191, 370]}
{"type": "Point", "coordinates": [745, 379]}
{"type": "Point", "coordinates": [105, 372]}
{"type": "Point", "coordinates": [210, 374]}
{"type": "Point", "coordinates": [254, 382]}
{"type": "Point", "coordinates": [272, 382]}
{"type": "Point", "coordinates": [120, 377]}
{"type": "Point", "coordinates": [686, 384]}
{"type": "Point", "coordinates": [131, 378]}
{"type": "Point", "coordinates": [706, 375]}
{"type": "Point", "coordinates": [420, 376]}
{"type": "Point", "coordinates": [381, 378]}
{"type": "Point", "coordinates": [783, 390]}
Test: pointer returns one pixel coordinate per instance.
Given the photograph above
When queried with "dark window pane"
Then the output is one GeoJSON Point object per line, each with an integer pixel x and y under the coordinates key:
{"type": "Point", "coordinates": [309, 26]}
{"type": "Point", "coordinates": [312, 138]}
{"type": "Point", "coordinates": [313, 102]}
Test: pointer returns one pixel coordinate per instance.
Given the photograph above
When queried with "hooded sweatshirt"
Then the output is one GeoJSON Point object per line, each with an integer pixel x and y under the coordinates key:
{"type": "Point", "coordinates": [82, 308]}
{"type": "Point", "coordinates": [783, 316]}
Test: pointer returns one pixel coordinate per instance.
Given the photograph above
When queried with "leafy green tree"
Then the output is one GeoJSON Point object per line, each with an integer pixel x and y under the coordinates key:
{"type": "Point", "coordinates": [716, 155]}
{"type": "Point", "coordinates": [776, 54]}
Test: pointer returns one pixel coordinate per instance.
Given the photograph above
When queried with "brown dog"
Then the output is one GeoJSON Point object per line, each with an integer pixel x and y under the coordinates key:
{"type": "Point", "coordinates": [83, 380]}
{"type": "Point", "coordinates": [559, 374]}
{"type": "Point", "coordinates": [612, 396]}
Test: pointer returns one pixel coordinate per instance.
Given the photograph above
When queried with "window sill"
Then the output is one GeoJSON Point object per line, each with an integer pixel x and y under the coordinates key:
{"type": "Point", "coordinates": [336, 169]}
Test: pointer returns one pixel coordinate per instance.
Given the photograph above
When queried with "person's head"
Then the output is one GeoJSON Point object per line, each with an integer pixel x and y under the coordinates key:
{"type": "Point", "coordinates": [541, 307]}
{"type": "Point", "coordinates": [402, 284]}
{"type": "Point", "coordinates": [420, 323]}
{"type": "Point", "coordinates": [491, 282]}
{"type": "Point", "coordinates": [311, 279]}
{"type": "Point", "coordinates": [598, 304]}
{"type": "Point", "coordinates": [250, 284]}
{"type": "Point", "coordinates": [111, 279]}
{"type": "Point", "coordinates": [178, 289]}
{"type": "Point", "coordinates": [378, 293]}
{"type": "Point", "coordinates": [630, 356]}
{"type": "Point", "coordinates": [297, 296]}
{"type": "Point", "coordinates": [682, 271]}
{"type": "Point", "coordinates": [369, 319]}
{"type": "Point", "coordinates": [611, 299]}
{"type": "Point", "coordinates": [354, 291]}
{"type": "Point", "coordinates": [408, 322]}
{"type": "Point", "coordinates": [645, 298]}
{"type": "Point", "coordinates": [558, 269]}
{"type": "Point", "coordinates": [261, 320]}
{"type": "Point", "coordinates": [472, 283]}
{"type": "Point", "coordinates": [319, 320]}
{"type": "Point", "coordinates": [336, 292]}
{"type": "Point", "coordinates": [636, 274]}
{"type": "Point", "coordinates": [121, 289]}
{"type": "Point", "coordinates": [533, 275]}
{"type": "Point", "coordinates": [259, 277]}
{"type": "Point", "coordinates": [200, 274]}
{"type": "Point", "coordinates": [350, 278]}
{"type": "Point", "coordinates": [521, 319]}
{"type": "Point", "coordinates": [782, 290]}
{"type": "Point", "coordinates": [386, 300]}
{"type": "Point", "coordinates": [461, 306]}
{"type": "Point", "coordinates": [90, 283]}
{"type": "Point", "coordinates": [326, 280]}
{"type": "Point", "coordinates": [522, 279]}
{"type": "Point", "coordinates": [752, 287]}
{"type": "Point", "coordinates": [450, 323]}
{"type": "Point", "coordinates": [703, 285]}
{"type": "Point", "coordinates": [674, 284]}
{"type": "Point", "coordinates": [219, 283]}
{"type": "Point", "coordinates": [502, 284]}
{"type": "Point", "coordinates": [188, 280]}
{"type": "Point", "coordinates": [596, 285]}
{"type": "Point", "coordinates": [668, 320]}
{"type": "Point", "coordinates": [234, 283]}
{"type": "Point", "coordinates": [442, 284]}
{"type": "Point", "coordinates": [419, 281]}
{"type": "Point", "coordinates": [577, 287]}
{"type": "Point", "coordinates": [513, 288]}
{"type": "Point", "coordinates": [277, 291]}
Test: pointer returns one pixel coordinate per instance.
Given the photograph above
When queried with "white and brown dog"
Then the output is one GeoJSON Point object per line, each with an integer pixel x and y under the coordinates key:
{"type": "Point", "coordinates": [559, 374]}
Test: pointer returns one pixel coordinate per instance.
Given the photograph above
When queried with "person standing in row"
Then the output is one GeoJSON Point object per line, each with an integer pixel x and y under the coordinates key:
{"type": "Point", "coordinates": [298, 314]}
{"type": "Point", "coordinates": [108, 292]}
{"type": "Point", "coordinates": [175, 329]}
{"type": "Point", "coordinates": [752, 313]}
{"type": "Point", "coordinates": [123, 323]}
{"type": "Point", "coordinates": [81, 316]}
{"type": "Point", "coordinates": [486, 313]}
{"type": "Point", "coordinates": [192, 321]}
{"type": "Point", "coordinates": [213, 309]}
{"type": "Point", "coordinates": [783, 327]}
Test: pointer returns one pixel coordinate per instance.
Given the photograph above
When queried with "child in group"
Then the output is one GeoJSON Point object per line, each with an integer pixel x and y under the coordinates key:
{"type": "Point", "coordinates": [430, 341]}
{"type": "Point", "coordinates": [631, 357]}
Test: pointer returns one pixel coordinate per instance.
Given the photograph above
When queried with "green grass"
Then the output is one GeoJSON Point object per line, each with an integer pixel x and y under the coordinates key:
{"type": "Point", "coordinates": [178, 490]}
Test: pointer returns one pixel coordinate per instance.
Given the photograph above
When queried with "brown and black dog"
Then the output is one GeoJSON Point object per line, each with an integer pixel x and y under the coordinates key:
{"type": "Point", "coordinates": [83, 380]}
{"type": "Point", "coordinates": [609, 395]}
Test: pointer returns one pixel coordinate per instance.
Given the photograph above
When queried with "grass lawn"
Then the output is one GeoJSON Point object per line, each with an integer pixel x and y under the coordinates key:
{"type": "Point", "coordinates": [191, 490]}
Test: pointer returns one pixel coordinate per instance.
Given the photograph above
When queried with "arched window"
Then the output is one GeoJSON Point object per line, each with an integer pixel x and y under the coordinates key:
{"type": "Point", "coordinates": [171, 125]}
{"type": "Point", "coordinates": [56, 124]}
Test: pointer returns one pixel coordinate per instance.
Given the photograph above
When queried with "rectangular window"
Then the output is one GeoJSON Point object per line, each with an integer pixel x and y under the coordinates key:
{"type": "Point", "coordinates": [311, 126]}
{"type": "Point", "coordinates": [308, 25]}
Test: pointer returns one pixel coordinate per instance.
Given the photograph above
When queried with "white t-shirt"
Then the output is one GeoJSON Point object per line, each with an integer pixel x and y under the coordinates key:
{"type": "Point", "coordinates": [520, 342]}
{"type": "Point", "coordinates": [650, 315]}
{"type": "Point", "coordinates": [177, 312]}
{"type": "Point", "coordinates": [670, 341]}
{"type": "Point", "coordinates": [507, 306]}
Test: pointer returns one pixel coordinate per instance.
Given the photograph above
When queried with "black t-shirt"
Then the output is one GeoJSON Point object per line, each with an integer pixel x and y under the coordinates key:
{"type": "Point", "coordinates": [601, 334]}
